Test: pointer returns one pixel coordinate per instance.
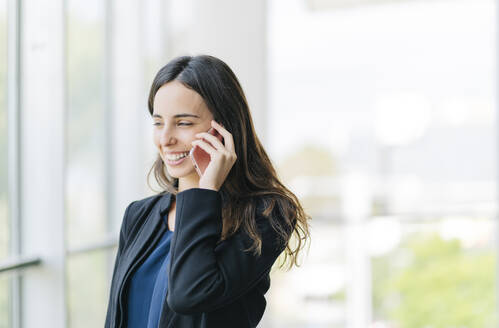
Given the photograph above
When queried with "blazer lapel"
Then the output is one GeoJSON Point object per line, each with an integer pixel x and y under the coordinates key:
{"type": "Point", "coordinates": [147, 233]}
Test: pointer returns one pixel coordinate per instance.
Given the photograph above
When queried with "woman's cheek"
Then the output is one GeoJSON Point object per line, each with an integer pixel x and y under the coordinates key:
{"type": "Point", "coordinates": [155, 138]}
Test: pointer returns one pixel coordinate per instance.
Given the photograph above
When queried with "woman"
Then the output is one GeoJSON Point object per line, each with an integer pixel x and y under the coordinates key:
{"type": "Point", "coordinates": [199, 253]}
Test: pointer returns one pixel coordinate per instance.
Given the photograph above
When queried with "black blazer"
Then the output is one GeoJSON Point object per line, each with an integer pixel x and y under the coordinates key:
{"type": "Point", "coordinates": [209, 284]}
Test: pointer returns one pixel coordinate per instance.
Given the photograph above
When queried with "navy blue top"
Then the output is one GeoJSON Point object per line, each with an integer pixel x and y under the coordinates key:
{"type": "Point", "coordinates": [148, 286]}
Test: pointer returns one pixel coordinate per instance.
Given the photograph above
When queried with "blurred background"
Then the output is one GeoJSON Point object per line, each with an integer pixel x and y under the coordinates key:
{"type": "Point", "coordinates": [381, 115]}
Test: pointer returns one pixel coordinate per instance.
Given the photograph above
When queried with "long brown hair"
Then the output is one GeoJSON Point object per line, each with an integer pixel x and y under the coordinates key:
{"type": "Point", "coordinates": [253, 177]}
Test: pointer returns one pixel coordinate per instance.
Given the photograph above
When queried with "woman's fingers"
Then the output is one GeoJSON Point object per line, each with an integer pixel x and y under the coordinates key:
{"type": "Point", "coordinates": [206, 146]}
{"type": "Point", "coordinates": [229, 141]}
{"type": "Point", "coordinates": [222, 156]}
{"type": "Point", "coordinates": [215, 142]}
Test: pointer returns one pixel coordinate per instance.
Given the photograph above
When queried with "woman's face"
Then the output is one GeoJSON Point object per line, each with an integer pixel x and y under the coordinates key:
{"type": "Point", "coordinates": [178, 114]}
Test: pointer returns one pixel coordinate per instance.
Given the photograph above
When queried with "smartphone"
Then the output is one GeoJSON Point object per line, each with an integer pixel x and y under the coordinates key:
{"type": "Point", "coordinates": [201, 158]}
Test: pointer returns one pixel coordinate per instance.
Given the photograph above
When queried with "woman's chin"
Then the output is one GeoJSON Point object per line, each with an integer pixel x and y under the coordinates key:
{"type": "Point", "coordinates": [178, 173]}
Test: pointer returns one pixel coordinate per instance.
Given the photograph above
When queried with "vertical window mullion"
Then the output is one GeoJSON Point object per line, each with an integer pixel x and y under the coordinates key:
{"type": "Point", "coordinates": [13, 148]}
{"type": "Point", "coordinates": [109, 164]}
{"type": "Point", "coordinates": [497, 148]}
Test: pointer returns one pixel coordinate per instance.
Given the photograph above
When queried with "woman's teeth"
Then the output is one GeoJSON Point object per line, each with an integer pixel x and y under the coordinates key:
{"type": "Point", "coordinates": [177, 156]}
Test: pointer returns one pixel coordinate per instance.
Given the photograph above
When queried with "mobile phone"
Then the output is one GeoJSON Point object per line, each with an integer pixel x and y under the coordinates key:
{"type": "Point", "coordinates": [200, 158]}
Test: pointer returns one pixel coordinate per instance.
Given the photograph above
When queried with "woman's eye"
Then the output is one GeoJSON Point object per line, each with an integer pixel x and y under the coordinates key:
{"type": "Point", "coordinates": [181, 123]}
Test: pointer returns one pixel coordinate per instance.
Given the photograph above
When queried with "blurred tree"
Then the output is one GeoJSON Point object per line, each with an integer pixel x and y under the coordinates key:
{"type": "Point", "coordinates": [312, 164]}
{"type": "Point", "coordinates": [309, 160]}
{"type": "Point", "coordinates": [434, 283]}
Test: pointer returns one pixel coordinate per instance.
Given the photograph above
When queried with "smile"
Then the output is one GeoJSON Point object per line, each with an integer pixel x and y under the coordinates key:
{"type": "Point", "coordinates": [176, 156]}
{"type": "Point", "coordinates": [176, 161]}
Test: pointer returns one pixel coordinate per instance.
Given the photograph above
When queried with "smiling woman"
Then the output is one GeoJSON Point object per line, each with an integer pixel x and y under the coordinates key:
{"type": "Point", "coordinates": [179, 114]}
{"type": "Point", "coordinates": [199, 253]}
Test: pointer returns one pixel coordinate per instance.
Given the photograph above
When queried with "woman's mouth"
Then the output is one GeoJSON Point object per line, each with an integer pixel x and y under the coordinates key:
{"type": "Point", "coordinates": [176, 159]}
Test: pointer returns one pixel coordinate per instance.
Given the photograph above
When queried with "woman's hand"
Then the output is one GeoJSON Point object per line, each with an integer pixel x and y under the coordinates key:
{"type": "Point", "coordinates": [222, 158]}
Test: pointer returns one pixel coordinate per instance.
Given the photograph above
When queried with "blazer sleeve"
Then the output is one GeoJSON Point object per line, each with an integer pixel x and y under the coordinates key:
{"type": "Point", "coordinates": [204, 276]}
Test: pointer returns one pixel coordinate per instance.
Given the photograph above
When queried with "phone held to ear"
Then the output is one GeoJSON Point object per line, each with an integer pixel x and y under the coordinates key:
{"type": "Point", "coordinates": [201, 158]}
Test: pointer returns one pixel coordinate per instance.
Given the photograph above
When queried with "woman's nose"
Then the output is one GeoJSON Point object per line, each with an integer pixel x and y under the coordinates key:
{"type": "Point", "coordinates": [167, 136]}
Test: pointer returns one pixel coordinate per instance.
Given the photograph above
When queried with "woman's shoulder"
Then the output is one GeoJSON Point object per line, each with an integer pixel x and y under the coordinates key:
{"type": "Point", "coordinates": [138, 208]}
{"type": "Point", "coordinates": [146, 202]}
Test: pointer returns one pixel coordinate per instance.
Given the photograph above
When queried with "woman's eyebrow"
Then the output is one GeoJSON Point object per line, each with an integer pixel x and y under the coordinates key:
{"type": "Point", "coordinates": [178, 115]}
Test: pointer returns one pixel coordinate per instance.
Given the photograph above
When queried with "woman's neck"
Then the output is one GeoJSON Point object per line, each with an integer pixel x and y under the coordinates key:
{"type": "Point", "coordinates": [188, 182]}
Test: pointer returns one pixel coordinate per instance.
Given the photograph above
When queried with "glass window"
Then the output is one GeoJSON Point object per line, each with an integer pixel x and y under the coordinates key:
{"type": "Point", "coordinates": [86, 159]}
{"type": "Point", "coordinates": [86, 123]}
{"type": "Point", "coordinates": [315, 295]}
{"type": "Point", "coordinates": [4, 226]}
{"type": "Point", "coordinates": [410, 109]}
{"type": "Point", "coordinates": [88, 289]}
{"type": "Point", "coordinates": [5, 300]}
{"type": "Point", "coordinates": [4, 209]}
{"type": "Point", "coordinates": [442, 272]}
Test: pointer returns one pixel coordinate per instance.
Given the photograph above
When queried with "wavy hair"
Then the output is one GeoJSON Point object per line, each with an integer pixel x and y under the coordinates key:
{"type": "Point", "coordinates": [253, 177]}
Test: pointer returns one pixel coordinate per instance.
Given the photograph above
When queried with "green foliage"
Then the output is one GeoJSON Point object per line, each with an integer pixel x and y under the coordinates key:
{"type": "Point", "coordinates": [434, 283]}
{"type": "Point", "coordinates": [339, 296]}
